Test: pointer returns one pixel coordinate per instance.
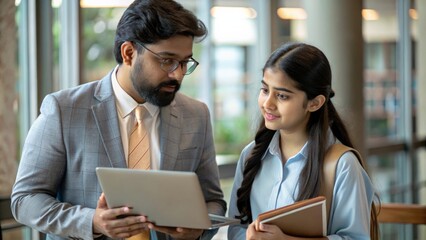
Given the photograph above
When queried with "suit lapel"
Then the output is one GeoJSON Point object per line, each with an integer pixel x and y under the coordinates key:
{"type": "Point", "coordinates": [170, 134]}
{"type": "Point", "coordinates": [105, 114]}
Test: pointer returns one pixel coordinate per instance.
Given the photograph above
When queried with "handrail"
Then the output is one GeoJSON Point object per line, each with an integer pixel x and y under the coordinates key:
{"type": "Point", "coordinates": [402, 213]}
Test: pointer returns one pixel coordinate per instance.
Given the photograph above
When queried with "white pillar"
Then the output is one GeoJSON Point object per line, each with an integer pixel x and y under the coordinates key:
{"type": "Point", "coordinates": [335, 26]}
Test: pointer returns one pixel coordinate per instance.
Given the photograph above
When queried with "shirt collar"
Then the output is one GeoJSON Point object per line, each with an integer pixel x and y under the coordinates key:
{"type": "Point", "coordinates": [274, 148]}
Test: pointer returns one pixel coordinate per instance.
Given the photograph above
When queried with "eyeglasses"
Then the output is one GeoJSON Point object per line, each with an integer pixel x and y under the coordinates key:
{"type": "Point", "coordinates": [169, 64]}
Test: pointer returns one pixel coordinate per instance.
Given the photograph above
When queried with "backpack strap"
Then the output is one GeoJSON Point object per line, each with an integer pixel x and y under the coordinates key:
{"type": "Point", "coordinates": [332, 157]}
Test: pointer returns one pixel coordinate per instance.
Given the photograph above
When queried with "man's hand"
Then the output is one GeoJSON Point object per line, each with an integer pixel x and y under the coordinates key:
{"type": "Point", "coordinates": [178, 233]}
{"type": "Point", "coordinates": [108, 221]}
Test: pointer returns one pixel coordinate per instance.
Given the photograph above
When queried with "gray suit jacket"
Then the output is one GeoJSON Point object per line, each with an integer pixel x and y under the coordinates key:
{"type": "Point", "coordinates": [56, 189]}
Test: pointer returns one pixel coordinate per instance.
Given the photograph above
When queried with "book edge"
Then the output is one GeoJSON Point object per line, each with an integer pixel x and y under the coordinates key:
{"type": "Point", "coordinates": [322, 202]}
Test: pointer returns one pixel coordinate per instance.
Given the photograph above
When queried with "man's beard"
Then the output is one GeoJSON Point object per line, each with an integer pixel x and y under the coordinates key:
{"type": "Point", "coordinates": [153, 94]}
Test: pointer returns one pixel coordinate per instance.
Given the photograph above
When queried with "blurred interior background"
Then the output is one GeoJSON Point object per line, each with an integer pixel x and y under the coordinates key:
{"type": "Point", "coordinates": [376, 49]}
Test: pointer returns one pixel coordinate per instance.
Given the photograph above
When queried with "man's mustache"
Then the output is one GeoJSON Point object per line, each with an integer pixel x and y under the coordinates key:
{"type": "Point", "coordinates": [172, 82]}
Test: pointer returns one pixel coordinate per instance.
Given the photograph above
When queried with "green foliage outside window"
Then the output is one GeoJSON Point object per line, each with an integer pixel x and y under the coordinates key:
{"type": "Point", "coordinates": [231, 135]}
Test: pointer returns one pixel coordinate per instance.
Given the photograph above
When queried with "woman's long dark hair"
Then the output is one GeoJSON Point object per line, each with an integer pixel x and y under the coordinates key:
{"type": "Point", "coordinates": [309, 68]}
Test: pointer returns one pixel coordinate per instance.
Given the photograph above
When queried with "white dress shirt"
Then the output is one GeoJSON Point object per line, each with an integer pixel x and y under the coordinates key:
{"type": "Point", "coordinates": [125, 106]}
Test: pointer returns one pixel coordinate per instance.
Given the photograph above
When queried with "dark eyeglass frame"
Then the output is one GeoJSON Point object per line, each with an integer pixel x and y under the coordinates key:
{"type": "Point", "coordinates": [170, 65]}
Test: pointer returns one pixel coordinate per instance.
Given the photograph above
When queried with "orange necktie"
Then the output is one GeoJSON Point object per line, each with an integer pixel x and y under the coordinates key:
{"type": "Point", "coordinates": [139, 154]}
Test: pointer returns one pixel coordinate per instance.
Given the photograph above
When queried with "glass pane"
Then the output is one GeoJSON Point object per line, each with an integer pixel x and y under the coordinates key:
{"type": "Point", "coordinates": [382, 96]}
{"type": "Point", "coordinates": [231, 121]}
{"type": "Point", "coordinates": [396, 231]}
{"type": "Point", "coordinates": [56, 32]}
{"type": "Point", "coordinates": [391, 177]}
{"type": "Point", "coordinates": [232, 32]}
{"type": "Point", "coordinates": [98, 32]}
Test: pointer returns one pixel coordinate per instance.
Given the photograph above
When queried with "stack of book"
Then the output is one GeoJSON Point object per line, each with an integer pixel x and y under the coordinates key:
{"type": "Point", "coordinates": [306, 218]}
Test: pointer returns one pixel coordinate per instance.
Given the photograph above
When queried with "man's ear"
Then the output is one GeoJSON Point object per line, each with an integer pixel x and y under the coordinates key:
{"type": "Point", "coordinates": [316, 103]}
{"type": "Point", "coordinates": [128, 52]}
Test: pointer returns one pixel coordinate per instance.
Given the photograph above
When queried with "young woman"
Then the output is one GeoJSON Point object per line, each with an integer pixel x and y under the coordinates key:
{"type": "Point", "coordinates": [284, 163]}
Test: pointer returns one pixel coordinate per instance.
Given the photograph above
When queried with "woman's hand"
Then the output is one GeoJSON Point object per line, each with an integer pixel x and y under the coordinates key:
{"type": "Point", "coordinates": [261, 231]}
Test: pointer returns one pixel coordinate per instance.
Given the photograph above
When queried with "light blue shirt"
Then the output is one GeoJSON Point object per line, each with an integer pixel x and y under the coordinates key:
{"type": "Point", "coordinates": [276, 185]}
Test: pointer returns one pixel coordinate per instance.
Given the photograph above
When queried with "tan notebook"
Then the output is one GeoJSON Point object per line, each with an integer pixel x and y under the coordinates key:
{"type": "Point", "coordinates": [306, 218]}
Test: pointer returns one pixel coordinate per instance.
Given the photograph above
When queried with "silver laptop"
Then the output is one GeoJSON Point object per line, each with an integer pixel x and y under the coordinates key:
{"type": "Point", "coordinates": [167, 198]}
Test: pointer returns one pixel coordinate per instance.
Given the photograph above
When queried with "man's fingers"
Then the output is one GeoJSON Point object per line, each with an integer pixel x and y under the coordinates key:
{"type": "Point", "coordinates": [102, 202]}
{"type": "Point", "coordinates": [128, 230]}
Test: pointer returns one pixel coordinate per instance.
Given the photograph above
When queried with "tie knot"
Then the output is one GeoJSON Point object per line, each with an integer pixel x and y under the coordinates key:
{"type": "Point", "coordinates": [139, 112]}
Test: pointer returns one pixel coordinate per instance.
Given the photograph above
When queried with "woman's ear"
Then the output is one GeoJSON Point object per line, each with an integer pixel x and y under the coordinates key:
{"type": "Point", "coordinates": [316, 103]}
{"type": "Point", "coordinates": [128, 51]}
